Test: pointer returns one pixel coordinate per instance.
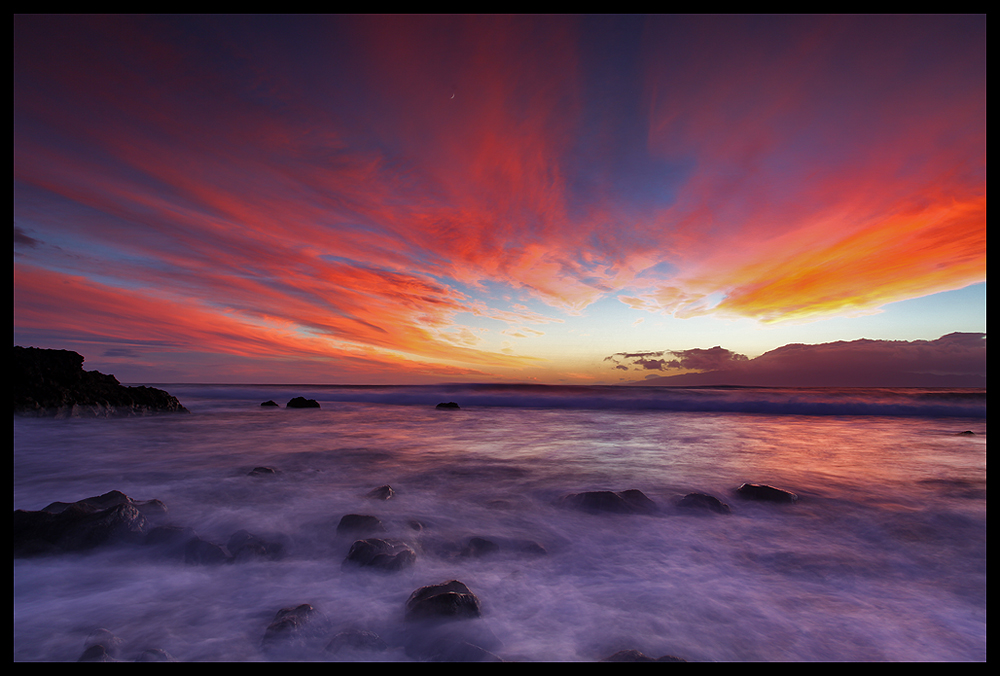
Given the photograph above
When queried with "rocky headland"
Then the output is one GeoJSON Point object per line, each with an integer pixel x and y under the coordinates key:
{"type": "Point", "coordinates": [52, 383]}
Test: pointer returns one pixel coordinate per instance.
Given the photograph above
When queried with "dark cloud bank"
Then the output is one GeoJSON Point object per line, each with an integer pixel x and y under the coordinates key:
{"type": "Point", "coordinates": [954, 360]}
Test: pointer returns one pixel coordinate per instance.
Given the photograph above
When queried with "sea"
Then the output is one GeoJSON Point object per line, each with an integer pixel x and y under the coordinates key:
{"type": "Point", "coordinates": [881, 558]}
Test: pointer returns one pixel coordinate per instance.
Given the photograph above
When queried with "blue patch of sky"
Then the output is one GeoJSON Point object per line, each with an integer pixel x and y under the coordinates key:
{"type": "Point", "coordinates": [612, 156]}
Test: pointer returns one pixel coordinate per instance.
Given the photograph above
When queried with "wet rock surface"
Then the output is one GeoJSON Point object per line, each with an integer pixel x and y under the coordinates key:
{"type": "Point", "coordinates": [765, 493]}
{"type": "Point", "coordinates": [379, 554]}
{"type": "Point", "coordinates": [703, 502]}
{"type": "Point", "coordinates": [79, 526]}
{"type": "Point", "coordinates": [632, 501]}
{"type": "Point", "coordinates": [447, 600]}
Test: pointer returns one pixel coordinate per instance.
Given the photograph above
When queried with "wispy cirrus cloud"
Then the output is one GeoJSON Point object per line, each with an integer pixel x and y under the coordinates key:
{"type": "Point", "coordinates": [374, 181]}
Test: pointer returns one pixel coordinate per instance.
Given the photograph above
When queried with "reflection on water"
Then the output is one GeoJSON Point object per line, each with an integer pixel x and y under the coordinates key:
{"type": "Point", "coordinates": [882, 558]}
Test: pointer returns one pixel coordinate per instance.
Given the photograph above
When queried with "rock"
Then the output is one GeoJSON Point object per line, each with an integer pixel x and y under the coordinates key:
{"type": "Point", "coordinates": [270, 403]}
{"type": "Point", "coordinates": [381, 493]}
{"type": "Point", "coordinates": [52, 383]}
{"type": "Point", "coordinates": [200, 552]}
{"type": "Point", "coordinates": [625, 502]}
{"type": "Point", "coordinates": [147, 508]}
{"type": "Point", "coordinates": [302, 402]}
{"type": "Point", "coordinates": [448, 406]}
{"type": "Point", "coordinates": [262, 471]}
{"type": "Point", "coordinates": [359, 524]}
{"type": "Point", "coordinates": [155, 655]}
{"type": "Point", "coordinates": [704, 502]}
{"type": "Point", "coordinates": [245, 546]}
{"type": "Point", "coordinates": [480, 547]}
{"type": "Point", "coordinates": [384, 555]}
{"type": "Point", "coordinates": [101, 646]}
{"type": "Point", "coordinates": [637, 656]}
{"type": "Point", "coordinates": [290, 627]}
{"type": "Point", "coordinates": [448, 600]}
{"type": "Point", "coordinates": [966, 433]}
{"type": "Point", "coordinates": [356, 640]}
{"type": "Point", "coordinates": [76, 527]}
{"type": "Point", "coordinates": [765, 493]}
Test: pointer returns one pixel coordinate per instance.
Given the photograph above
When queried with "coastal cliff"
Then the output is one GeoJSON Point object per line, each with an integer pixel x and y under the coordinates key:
{"type": "Point", "coordinates": [52, 383]}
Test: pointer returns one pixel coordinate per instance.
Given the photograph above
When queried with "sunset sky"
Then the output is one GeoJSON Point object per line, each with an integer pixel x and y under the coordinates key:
{"type": "Point", "coordinates": [422, 199]}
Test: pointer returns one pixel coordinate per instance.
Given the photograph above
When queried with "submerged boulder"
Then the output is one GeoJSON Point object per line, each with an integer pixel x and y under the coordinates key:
{"type": "Point", "coordinates": [384, 555]}
{"type": "Point", "coordinates": [703, 502]}
{"type": "Point", "coordinates": [359, 524]}
{"type": "Point", "coordinates": [52, 383]}
{"type": "Point", "coordinates": [381, 493]}
{"type": "Point", "coordinates": [632, 501]}
{"type": "Point", "coordinates": [765, 493]}
{"type": "Point", "coordinates": [450, 405]}
{"type": "Point", "coordinates": [448, 600]}
{"type": "Point", "coordinates": [270, 403]}
{"type": "Point", "coordinates": [638, 656]}
{"type": "Point", "coordinates": [292, 628]}
{"type": "Point", "coordinates": [245, 546]}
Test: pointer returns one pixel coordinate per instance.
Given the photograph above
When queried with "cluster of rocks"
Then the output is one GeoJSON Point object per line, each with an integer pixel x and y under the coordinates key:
{"type": "Point", "coordinates": [294, 402]}
{"type": "Point", "coordinates": [52, 383]}
{"type": "Point", "coordinates": [443, 621]}
{"type": "Point", "coordinates": [634, 501]}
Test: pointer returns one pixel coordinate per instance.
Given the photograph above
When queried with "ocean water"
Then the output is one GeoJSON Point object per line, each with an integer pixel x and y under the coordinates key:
{"type": "Point", "coordinates": [883, 557]}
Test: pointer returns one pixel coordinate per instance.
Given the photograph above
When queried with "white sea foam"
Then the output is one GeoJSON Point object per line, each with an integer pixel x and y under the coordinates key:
{"type": "Point", "coordinates": [882, 557]}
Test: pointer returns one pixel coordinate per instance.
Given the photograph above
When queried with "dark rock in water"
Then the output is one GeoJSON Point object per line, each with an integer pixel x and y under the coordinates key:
{"type": "Point", "coordinates": [155, 655]}
{"type": "Point", "coordinates": [765, 493]}
{"type": "Point", "coordinates": [703, 501]}
{"type": "Point", "coordinates": [359, 524]}
{"type": "Point", "coordinates": [200, 552]}
{"type": "Point", "coordinates": [270, 403]}
{"type": "Point", "coordinates": [385, 555]}
{"type": "Point", "coordinates": [302, 402]}
{"type": "Point", "coordinates": [480, 547]}
{"type": "Point", "coordinates": [448, 600]}
{"type": "Point", "coordinates": [625, 502]}
{"type": "Point", "coordinates": [262, 471]}
{"type": "Point", "coordinates": [101, 646]}
{"type": "Point", "coordinates": [97, 653]}
{"type": "Point", "coordinates": [245, 546]}
{"type": "Point", "coordinates": [52, 383]}
{"type": "Point", "coordinates": [637, 656]}
{"type": "Point", "coordinates": [356, 640]}
{"type": "Point", "coordinates": [148, 508]}
{"type": "Point", "coordinates": [76, 527]}
{"type": "Point", "coordinates": [292, 627]}
{"type": "Point", "coordinates": [966, 433]}
{"type": "Point", "coordinates": [448, 405]}
{"type": "Point", "coordinates": [381, 493]}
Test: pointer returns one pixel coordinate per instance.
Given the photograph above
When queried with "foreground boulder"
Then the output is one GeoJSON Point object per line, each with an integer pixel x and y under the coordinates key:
{"type": "Point", "coordinates": [385, 555]}
{"type": "Point", "coordinates": [77, 527]}
{"type": "Point", "coordinates": [52, 383]}
{"type": "Point", "coordinates": [765, 493]}
{"type": "Point", "coordinates": [448, 600]}
{"type": "Point", "coordinates": [632, 501]}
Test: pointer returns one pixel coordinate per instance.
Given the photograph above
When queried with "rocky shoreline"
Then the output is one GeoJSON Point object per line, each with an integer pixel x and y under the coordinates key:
{"type": "Point", "coordinates": [441, 622]}
{"type": "Point", "coordinates": [53, 384]}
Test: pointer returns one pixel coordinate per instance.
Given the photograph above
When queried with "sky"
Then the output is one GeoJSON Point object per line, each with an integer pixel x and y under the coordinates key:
{"type": "Point", "coordinates": [551, 199]}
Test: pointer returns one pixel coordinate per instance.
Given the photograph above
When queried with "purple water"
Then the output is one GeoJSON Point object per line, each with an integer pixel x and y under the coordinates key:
{"type": "Point", "coordinates": [882, 558]}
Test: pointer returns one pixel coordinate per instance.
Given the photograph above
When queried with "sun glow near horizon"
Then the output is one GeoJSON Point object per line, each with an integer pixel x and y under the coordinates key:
{"type": "Point", "coordinates": [410, 199]}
